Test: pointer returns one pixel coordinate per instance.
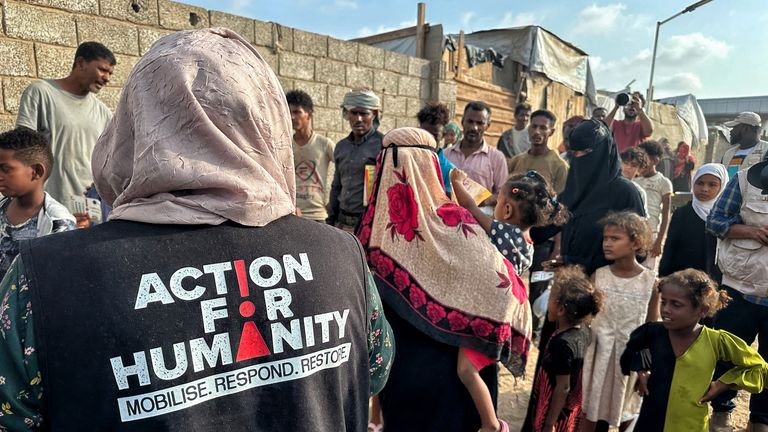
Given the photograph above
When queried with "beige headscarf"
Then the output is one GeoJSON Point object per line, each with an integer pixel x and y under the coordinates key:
{"type": "Point", "coordinates": [201, 135]}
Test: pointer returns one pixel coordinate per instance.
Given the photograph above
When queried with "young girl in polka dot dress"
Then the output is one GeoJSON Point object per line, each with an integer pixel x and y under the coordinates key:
{"type": "Point", "coordinates": [524, 201]}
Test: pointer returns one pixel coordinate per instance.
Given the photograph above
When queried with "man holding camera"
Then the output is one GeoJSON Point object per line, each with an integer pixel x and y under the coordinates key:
{"type": "Point", "coordinates": [635, 127]}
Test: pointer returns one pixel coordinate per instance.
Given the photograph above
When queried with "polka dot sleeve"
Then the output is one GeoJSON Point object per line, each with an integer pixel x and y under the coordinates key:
{"type": "Point", "coordinates": [511, 242]}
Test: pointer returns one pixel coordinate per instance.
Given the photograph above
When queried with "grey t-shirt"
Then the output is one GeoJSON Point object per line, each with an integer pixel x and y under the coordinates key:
{"type": "Point", "coordinates": [72, 125]}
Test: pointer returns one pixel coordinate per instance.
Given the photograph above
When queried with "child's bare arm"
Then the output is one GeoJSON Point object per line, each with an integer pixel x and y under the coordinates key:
{"type": "Point", "coordinates": [666, 209]}
{"type": "Point", "coordinates": [559, 394]}
{"type": "Point", "coordinates": [653, 306]}
{"type": "Point", "coordinates": [465, 199]}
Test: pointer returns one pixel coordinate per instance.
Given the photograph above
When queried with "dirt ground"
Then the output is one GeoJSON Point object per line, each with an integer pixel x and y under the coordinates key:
{"type": "Point", "coordinates": [514, 394]}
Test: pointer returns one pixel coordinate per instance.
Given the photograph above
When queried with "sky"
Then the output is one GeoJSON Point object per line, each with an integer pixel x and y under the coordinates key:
{"type": "Point", "coordinates": [718, 50]}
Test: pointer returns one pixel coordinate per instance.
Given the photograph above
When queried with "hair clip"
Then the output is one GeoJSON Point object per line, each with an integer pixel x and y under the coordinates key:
{"type": "Point", "coordinates": [533, 174]}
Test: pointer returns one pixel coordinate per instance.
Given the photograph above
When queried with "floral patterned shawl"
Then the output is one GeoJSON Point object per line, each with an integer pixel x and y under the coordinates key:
{"type": "Point", "coordinates": [433, 263]}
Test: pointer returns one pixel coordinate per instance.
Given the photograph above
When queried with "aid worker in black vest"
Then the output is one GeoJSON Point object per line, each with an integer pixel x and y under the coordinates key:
{"type": "Point", "coordinates": [204, 304]}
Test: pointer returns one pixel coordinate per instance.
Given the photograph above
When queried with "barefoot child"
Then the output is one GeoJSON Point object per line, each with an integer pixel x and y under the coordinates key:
{"type": "Point", "coordinates": [524, 201]}
{"type": "Point", "coordinates": [676, 358]}
{"type": "Point", "coordinates": [630, 300]}
{"type": "Point", "coordinates": [555, 404]}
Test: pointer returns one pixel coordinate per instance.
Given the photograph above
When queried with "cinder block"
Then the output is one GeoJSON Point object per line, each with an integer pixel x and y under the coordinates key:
{"type": "Point", "coordinates": [406, 122]}
{"type": "Point", "coordinates": [297, 66]}
{"type": "Point", "coordinates": [310, 43]}
{"type": "Point", "coordinates": [385, 82]}
{"type": "Point", "coordinates": [138, 11]}
{"type": "Point", "coordinates": [84, 6]}
{"type": "Point", "coordinates": [262, 33]}
{"type": "Point", "coordinates": [53, 61]}
{"type": "Point", "coordinates": [396, 62]}
{"type": "Point", "coordinates": [285, 83]}
{"type": "Point", "coordinates": [336, 136]}
{"type": "Point", "coordinates": [12, 90]}
{"type": "Point", "coordinates": [318, 92]}
{"type": "Point", "coordinates": [330, 71]}
{"type": "Point", "coordinates": [413, 106]}
{"type": "Point", "coordinates": [269, 57]}
{"type": "Point", "coordinates": [328, 119]}
{"type": "Point", "coordinates": [118, 37]}
{"type": "Point", "coordinates": [371, 56]}
{"type": "Point", "coordinates": [409, 86]}
{"type": "Point", "coordinates": [425, 90]}
{"type": "Point", "coordinates": [34, 23]}
{"type": "Point", "coordinates": [17, 58]}
{"type": "Point", "coordinates": [342, 50]}
{"type": "Point", "coordinates": [358, 76]}
{"type": "Point", "coordinates": [124, 66]}
{"type": "Point", "coordinates": [110, 96]}
{"type": "Point", "coordinates": [147, 37]}
{"type": "Point", "coordinates": [418, 67]}
{"type": "Point", "coordinates": [7, 122]}
{"type": "Point", "coordinates": [388, 123]}
{"type": "Point", "coordinates": [240, 25]}
{"type": "Point", "coordinates": [179, 16]}
{"type": "Point", "coordinates": [336, 95]}
{"type": "Point", "coordinates": [446, 92]}
{"type": "Point", "coordinates": [395, 106]}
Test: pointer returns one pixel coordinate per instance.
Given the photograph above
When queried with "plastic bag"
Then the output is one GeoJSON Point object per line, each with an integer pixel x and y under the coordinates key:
{"type": "Point", "coordinates": [541, 303]}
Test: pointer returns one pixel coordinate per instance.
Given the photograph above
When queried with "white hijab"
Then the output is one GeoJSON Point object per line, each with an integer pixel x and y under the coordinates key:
{"type": "Point", "coordinates": [702, 208]}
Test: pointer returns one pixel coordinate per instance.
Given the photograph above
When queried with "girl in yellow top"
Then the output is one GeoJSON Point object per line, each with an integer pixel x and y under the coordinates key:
{"type": "Point", "coordinates": [675, 358]}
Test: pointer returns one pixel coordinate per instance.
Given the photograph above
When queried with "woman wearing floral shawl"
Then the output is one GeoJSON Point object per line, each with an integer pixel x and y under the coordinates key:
{"type": "Point", "coordinates": [446, 287]}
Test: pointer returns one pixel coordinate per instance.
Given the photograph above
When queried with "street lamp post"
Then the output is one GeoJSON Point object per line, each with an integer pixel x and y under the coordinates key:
{"type": "Point", "coordinates": [690, 8]}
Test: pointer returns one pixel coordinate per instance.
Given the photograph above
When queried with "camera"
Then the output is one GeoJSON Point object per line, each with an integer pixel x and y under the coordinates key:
{"type": "Point", "coordinates": [623, 99]}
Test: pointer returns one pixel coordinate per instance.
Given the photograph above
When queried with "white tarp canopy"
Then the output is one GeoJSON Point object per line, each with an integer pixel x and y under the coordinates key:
{"type": "Point", "coordinates": [689, 110]}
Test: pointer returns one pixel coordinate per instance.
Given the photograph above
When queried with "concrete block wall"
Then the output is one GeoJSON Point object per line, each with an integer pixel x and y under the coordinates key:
{"type": "Point", "coordinates": [39, 38]}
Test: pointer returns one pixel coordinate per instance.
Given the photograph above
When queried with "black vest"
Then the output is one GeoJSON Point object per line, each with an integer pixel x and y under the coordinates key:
{"type": "Point", "coordinates": [214, 328]}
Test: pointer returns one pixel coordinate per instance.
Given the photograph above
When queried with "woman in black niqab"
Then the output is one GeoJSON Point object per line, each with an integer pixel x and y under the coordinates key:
{"type": "Point", "coordinates": [594, 188]}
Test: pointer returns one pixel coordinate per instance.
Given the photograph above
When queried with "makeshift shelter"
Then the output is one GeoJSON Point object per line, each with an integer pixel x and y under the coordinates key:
{"type": "Point", "coordinates": [505, 66]}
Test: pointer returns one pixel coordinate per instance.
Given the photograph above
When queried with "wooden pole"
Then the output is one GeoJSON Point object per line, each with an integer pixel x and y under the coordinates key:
{"type": "Point", "coordinates": [420, 37]}
{"type": "Point", "coordinates": [460, 65]}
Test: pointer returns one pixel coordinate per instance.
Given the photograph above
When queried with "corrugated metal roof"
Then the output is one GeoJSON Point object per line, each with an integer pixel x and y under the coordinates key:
{"type": "Point", "coordinates": [733, 106]}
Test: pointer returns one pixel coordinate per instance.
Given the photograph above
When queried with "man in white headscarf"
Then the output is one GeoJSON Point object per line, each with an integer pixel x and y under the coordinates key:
{"type": "Point", "coordinates": [203, 303]}
{"type": "Point", "coordinates": [355, 158]}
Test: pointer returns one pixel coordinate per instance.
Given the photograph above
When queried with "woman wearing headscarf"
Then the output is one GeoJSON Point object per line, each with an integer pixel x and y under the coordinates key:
{"type": "Point", "coordinates": [689, 244]}
{"type": "Point", "coordinates": [594, 188]}
{"type": "Point", "coordinates": [451, 134]}
{"type": "Point", "coordinates": [444, 286]}
{"type": "Point", "coordinates": [203, 303]}
{"type": "Point", "coordinates": [684, 163]}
